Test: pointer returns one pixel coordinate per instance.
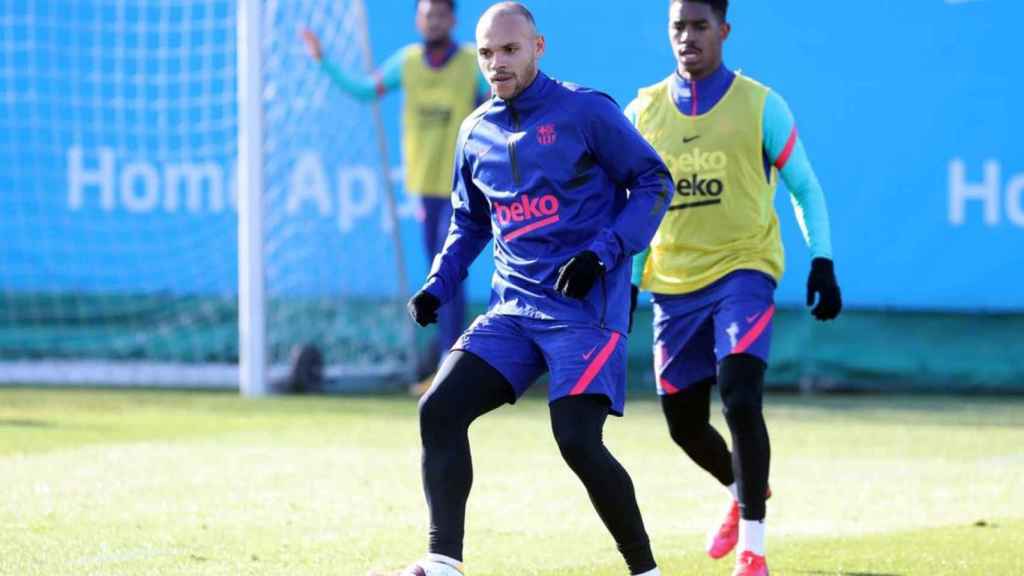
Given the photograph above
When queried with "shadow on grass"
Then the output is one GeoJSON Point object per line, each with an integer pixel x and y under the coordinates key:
{"type": "Point", "coordinates": [824, 573]}
{"type": "Point", "coordinates": [23, 423]}
{"type": "Point", "coordinates": [930, 410]}
{"type": "Point", "coordinates": [912, 410]}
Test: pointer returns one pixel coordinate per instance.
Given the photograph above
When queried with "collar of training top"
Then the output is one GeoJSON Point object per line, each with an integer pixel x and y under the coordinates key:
{"type": "Point", "coordinates": [531, 97]}
{"type": "Point", "coordinates": [706, 92]}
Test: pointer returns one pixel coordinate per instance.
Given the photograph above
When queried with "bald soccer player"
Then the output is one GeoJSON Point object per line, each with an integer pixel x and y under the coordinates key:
{"type": "Point", "coordinates": [543, 170]}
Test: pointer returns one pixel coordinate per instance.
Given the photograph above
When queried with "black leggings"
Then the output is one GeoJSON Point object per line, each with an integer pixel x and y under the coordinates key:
{"type": "Point", "coordinates": [467, 387]}
{"type": "Point", "coordinates": [688, 414]}
{"type": "Point", "coordinates": [577, 423]}
{"type": "Point", "coordinates": [741, 383]}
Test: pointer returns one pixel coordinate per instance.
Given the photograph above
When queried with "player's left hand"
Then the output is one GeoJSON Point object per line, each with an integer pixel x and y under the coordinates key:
{"type": "Point", "coordinates": [822, 282]}
{"type": "Point", "coordinates": [577, 276]}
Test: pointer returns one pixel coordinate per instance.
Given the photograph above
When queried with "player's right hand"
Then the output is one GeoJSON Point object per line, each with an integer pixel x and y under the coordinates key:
{"type": "Point", "coordinates": [423, 308]}
{"type": "Point", "coordinates": [577, 276]}
{"type": "Point", "coordinates": [312, 44]}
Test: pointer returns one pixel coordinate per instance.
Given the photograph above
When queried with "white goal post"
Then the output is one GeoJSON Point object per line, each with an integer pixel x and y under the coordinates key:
{"type": "Point", "coordinates": [187, 200]}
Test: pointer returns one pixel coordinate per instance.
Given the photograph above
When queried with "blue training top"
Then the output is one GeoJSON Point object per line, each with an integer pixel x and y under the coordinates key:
{"type": "Point", "coordinates": [546, 176]}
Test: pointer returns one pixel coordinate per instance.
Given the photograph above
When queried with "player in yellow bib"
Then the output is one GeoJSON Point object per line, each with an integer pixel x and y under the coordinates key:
{"type": "Point", "coordinates": [713, 265]}
{"type": "Point", "coordinates": [442, 85]}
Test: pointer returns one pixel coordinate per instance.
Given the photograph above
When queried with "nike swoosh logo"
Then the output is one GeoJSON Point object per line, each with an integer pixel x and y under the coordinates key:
{"type": "Point", "coordinates": [750, 319]}
{"type": "Point", "coordinates": [589, 354]}
{"type": "Point", "coordinates": [687, 140]}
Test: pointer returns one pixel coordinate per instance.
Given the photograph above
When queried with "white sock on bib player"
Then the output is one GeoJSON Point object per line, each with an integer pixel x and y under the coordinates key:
{"type": "Point", "coordinates": [752, 536]}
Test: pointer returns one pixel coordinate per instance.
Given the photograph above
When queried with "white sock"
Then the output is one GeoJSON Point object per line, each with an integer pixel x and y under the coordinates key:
{"type": "Point", "coordinates": [733, 490]}
{"type": "Point", "coordinates": [752, 536]}
{"type": "Point", "coordinates": [442, 559]}
{"type": "Point", "coordinates": [652, 572]}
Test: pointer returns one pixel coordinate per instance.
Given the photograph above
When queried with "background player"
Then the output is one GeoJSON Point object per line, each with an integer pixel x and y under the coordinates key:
{"type": "Point", "coordinates": [442, 85]}
{"type": "Point", "coordinates": [714, 263]}
{"type": "Point", "coordinates": [542, 169]}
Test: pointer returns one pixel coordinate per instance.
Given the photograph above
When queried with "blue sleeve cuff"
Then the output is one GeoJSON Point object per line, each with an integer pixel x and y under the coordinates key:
{"type": "Point", "coordinates": [607, 248]}
{"type": "Point", "coordinates": [435, 287]}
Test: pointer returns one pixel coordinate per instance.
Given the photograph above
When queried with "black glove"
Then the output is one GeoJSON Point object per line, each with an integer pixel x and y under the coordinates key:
{"type": "Point", "coordinates": [423, 308]}
{"type": "Point", "coordinates": [822, 281]}
{"type": "Point", "coordinates": [634, 292]}
{"type": "Point", "coordinates": [577, 276]}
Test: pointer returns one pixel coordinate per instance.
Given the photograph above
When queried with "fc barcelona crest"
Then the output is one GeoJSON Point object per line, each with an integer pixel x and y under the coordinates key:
{"type": "Point", "coordinates": [546, 134]}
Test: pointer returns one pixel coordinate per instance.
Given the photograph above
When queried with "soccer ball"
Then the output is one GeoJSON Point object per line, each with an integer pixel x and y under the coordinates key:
{"type": "Point", "coordinates": [423, 568]}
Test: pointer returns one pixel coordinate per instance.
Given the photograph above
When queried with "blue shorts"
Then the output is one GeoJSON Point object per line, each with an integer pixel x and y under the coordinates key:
{"type": "Point", "coordinates": [694, 332]}
{"type": "Point", "coordinates": [582, 359]}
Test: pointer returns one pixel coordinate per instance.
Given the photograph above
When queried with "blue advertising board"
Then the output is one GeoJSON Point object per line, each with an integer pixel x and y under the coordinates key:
{"type": "Point", "coordinates": [910, 112]}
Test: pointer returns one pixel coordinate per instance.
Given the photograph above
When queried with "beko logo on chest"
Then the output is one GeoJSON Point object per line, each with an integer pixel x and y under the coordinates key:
{"type": "Point", "coordinates": [700, 177]}
{"type": "Point", "coordinates": [697, 186]}
{"type": "Point", "coordinates": [700, 161]}
{"type": "Point", "coordinates": [532, 213]}
{"type": "Point", "coordinates": [525, 209]}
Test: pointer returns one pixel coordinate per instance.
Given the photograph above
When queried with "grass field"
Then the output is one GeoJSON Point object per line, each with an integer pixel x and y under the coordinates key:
{"type": "Point", "coordinates": [108, 482]}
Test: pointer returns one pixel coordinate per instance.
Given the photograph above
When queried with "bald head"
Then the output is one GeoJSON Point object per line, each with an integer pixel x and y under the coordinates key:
{"type": "Point", "coordinates": [507, 9]}
{"type": "Point", "coordinates": [508, 47]}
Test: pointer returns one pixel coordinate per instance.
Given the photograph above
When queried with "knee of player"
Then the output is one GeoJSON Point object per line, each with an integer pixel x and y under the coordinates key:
{"type": "Point", "coordinates": [742, 408]}
{"type": "Point", "coordinates": [434, 411]}
{"type": "Point", "coordinates": [577, 444]}
{"type": "Point", "coordinates": [688, 413]}
{"type": "Point", "coordinates": [686, 432]}
{"type": "Point", "coordinates": [741, 379]}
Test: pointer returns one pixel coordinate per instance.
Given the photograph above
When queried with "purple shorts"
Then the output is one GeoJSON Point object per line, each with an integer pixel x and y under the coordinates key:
{"type": "Point", "coordinates": [581, 358]}
{"type": "Point", "coordinates": [694, 332]}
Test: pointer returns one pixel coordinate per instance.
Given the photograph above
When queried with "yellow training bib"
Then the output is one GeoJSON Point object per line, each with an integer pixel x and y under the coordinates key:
{"type": "Point", "coordinates": [722, 217]}
{"type": "Point", "coordinates": [436, 102]}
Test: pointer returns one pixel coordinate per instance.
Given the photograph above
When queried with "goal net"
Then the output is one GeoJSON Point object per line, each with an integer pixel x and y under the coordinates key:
{"type": "Point", "coordinates": [118, 203]}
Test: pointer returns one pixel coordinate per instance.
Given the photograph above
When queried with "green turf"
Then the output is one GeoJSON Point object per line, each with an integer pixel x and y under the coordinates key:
{"type": "Point", "coordinates": [155, 483]}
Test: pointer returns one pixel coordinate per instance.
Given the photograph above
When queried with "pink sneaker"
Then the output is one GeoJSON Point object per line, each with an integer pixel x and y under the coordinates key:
{"type": "Point", "coordinates": [723, 540]}
{"type": "Point", "coordinates": [750, 564]}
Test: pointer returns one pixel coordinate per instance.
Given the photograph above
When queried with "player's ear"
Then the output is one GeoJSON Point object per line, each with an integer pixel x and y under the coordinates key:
{"type": "Point", "coordinates": [725, 28]}
{"type": "Point", "coordinates": [541, 44]}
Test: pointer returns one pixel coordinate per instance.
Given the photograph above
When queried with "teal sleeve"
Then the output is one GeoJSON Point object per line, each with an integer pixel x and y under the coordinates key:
{"type": "Point", "coordinates": [786, 151]}
{"type": "Point", "coordinates": [639, 259]}
{"type": "Point", "coordinates": [365, 88]}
